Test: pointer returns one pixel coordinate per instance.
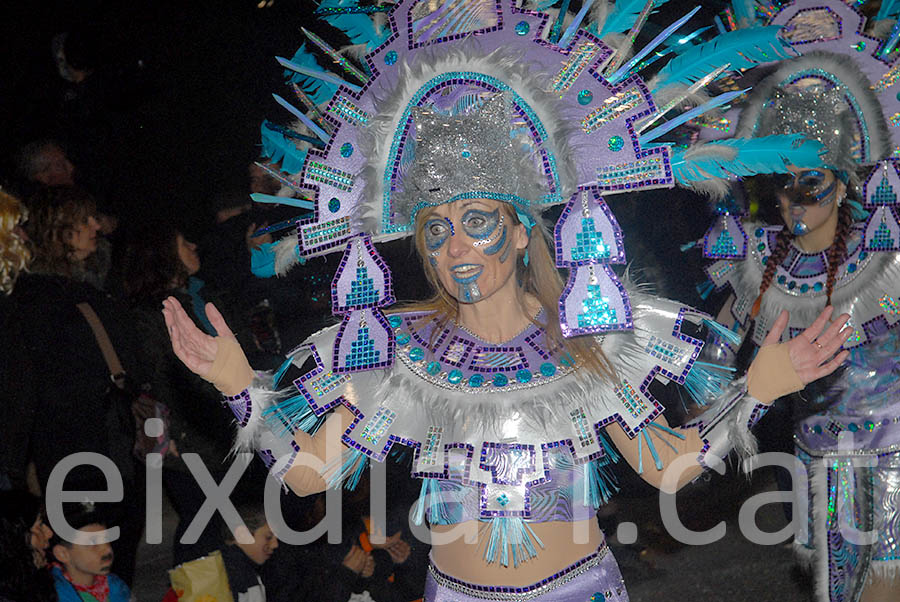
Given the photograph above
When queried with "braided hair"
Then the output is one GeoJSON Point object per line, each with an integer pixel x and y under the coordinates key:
{"type": "Point", "coordinates": [835, 255]}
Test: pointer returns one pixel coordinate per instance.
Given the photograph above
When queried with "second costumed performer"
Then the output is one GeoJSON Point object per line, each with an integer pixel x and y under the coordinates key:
{"type": "Point", "coordinates": [515, 391]}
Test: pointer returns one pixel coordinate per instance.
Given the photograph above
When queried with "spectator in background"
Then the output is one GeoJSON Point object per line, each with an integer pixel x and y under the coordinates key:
{"type": "Point", "coordinates": [243, 559]}
{"type": "Point", "coordinates": [158, 262]}
{"type": "Point", "coordinates": [83, 568]}
{"type": "Point", "coordinates": [24, 539]}
{"type": "Point", "coordinates": [45, 162]}
{"type": "Point", "coordinates": [59, 369]}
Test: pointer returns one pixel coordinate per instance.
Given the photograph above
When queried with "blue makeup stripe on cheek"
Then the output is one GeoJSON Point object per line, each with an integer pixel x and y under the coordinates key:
{"type": "Point", "coordinates": [495, 248]}
{"type": "Point", "coordinates": [506, 251]}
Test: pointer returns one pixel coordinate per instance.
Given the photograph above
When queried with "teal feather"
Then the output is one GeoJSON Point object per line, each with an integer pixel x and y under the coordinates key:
{"type": "Point", "coordinates": [511, 535]}
{"type": "Point", "coordinates": [656, 459]}
{"type": "Point", "coordinates": [624, 14]}
{"type": "Point", "coordinates": [358, 27]}
{"type": "Point", "coordinates": [742, 49]}
{"type": "Point", "coordinates": [276, 147]}
{"type": "Point", "coordinates": [705, 289]}
{"type": "Point", "coordinates": [276, 379]}
{"type": "Point", "coordinates": [318, 90]}
{"type": "Point", "coordinates": [766, 155]}
{"type": "Point", "coordinates": [890, 9]}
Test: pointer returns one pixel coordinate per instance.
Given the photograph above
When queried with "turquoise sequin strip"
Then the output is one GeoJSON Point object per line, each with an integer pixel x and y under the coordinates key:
{"type": "Point", "coordinates": [362, 351]}
{"type": "Point", "coordinates": [597, 311]}
{"type": "Point", "coordinates": [330, 230]}
{"type": "Point", "coordinates": [629, 173]}
{"type": "Point", "coordinates": [582, 427]}
{"type": "Point", "coordinates": [496, 359]}
{"type": "Point", "coordinates": [326, 174]}
{"type": "Point", "coordinates": [349, 112]}
{"type": "Point", "coordinates": [579, 59]}
{"type": "Point", "coordinates": [589, 242]}
{"type": "Point", "coordinates": [378, 426]}
{"type": "Point", "coordinates": [327, 383]}
{"type": "Point", "coordinates": [613, 108]}
{"type": "Point", "coordinates": [664, 351]}
{"type": "Point", "coordinates": [362, 290]}
{"type": "Point", "coordinates": [631, 400]}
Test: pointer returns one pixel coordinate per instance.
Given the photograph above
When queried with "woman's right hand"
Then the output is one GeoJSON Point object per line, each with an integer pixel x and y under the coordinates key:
{"type": "Point", "coordinates": [196, 349]}
{"type": "Point", "coordinates": [358, 561]}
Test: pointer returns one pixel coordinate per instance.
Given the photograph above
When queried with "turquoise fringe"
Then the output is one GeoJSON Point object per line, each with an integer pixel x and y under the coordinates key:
{"type": "Point", "coordinates": [298, 413]}
{"type": "Point", "coordinates": [599, 484]}
{"type": "Point", "coordinates": [706, 381]}
{"type": "Point", "coordinates": [431, 494]}
{"type": "Point", "coordinates": [354, 464]}
{"type": "Point", "coordinates": [511, 534]}
{"type": "Point", "coordinates": [276, 379]}
{"type": "Point", "coordinates": [705, 289]}
{"type": "Point", "coordinates": [722, 331]}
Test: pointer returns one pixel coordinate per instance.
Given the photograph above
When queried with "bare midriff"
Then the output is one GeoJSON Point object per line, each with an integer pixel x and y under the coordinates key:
{"type": "Point", "coordinates": [463, 558]}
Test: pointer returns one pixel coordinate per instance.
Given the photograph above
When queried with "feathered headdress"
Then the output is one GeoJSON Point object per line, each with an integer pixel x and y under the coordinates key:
{"type": "Point", "coordinates": [576, 123]}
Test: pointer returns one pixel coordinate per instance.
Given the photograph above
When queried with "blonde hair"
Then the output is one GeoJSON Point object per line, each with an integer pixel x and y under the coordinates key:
{"type": "Point", "coordinates": [15, 254]}
{"type": "Point", "coordinates": [540, 278]}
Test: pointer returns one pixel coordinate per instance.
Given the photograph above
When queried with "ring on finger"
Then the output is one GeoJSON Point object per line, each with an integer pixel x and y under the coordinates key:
{"type": "Point", "coordinates": [817, 344]}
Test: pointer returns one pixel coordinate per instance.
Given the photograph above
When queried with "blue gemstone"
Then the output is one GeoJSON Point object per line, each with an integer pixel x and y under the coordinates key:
{"type": "Point", "coordinates": [466, 154]}
{"type": "Point", "coordinates": [792, 285]}
{"type": "Point", "coordinates": [522, 28]}
{"type": "Point", "coordinates": [597, 597]}
{"type": "Point", "coordinates": [585, 97]}
{"type": "Point", "coordinates": [476, 380]}
{"type": "Point", "coordinates": [761, 246]}
{"type": "Point", "coordinates": [817, 429]}
{"type": "Point", "coordinates": [818, 286]}
{"type": "Point", "coordinates": [403, 338]}
{"type": "Point", "coordinates": [804, 287]}
{"type": "Point", "coordinates": [863, 255]}
{"type": "Point", "coordinates": [853, 427]}
{"type": "Point", "coordinates": [334, 205]}
{"type": "Point", "coordinates": [765, 260]}
{"type": "Point", "coordinates": [395, 321]}
{"type": "Point", "coordinates": [759, 232]}
{"type": "Point", "coordinates": [869, 425]}
{"type": "Point", "coordinates": [390, 57]}
{"type": "Point", "coordinates": [782, 279]}
{"type": "Point", "coordinates": [346, 149]}
{"type": "Point", "coordinates": [616, 143]}
{"type": "Point", "coordinates": [455, 376]}
{"type": "Point", "coordinates": [851, 268]}
{"type": "Point", "coordinates": [434, 368]}
{"type": "Point", "coordinates": [503, 499]}
{"type": "Point", "coordinates": [523, 375]}
{"type": "Point", "coordinates": [548, 369]}
{"type": "Point", "coordinates": [500, 380]}
{"type": "Point", "coordinates": [416, 353]}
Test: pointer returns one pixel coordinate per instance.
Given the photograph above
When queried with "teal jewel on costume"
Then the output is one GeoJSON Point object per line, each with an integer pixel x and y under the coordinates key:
{"type": "Point", "coordinates": [597, 597]}
{"type": "Point", "coordinates": [523, 376]}
{"type": "Point", "coordinates": [759, 232]}
{"type": "Point", "coordinates": [804, 287]}
{"type": "Point", "coordinates": [390, 57]}
{"type": "Point", "coordinates": [851, 268]}
{"type": "Point", "coordinates": [394, 321]}
{"type": "Point", "coordinates": [500, 380]}
{"type": "Point", "coordinates": [548, 369]}
{"type": "Point", "coordinates": [869, 425]}
{"type": "Point", "coordinates": [859, 46]}
{"type": "Point", "coordinates": [522, 28]}
{"type": "Point", "coordinates": [346, 149]}
{"type": "Point", "coordinates": [782, 279]}
{"type": "Point", "coordinates": [476, 380]}
{"type": "Point", "coordinates": [434, 368]}
{"type": "Point", "coordinates": [616, 143]}
{"type": "Point", "coordinates": [503, 499]}
{"type": "Point", "coordinates": [334, 205]}
{"type": "Point", "coordinates": [585, 97]}
{"type": "Point", "coordinates": [761, 246]}
{"type": "Point", "coordinates": [403, 338]}
{"type": "Point", "coordinates": [416, 354]}
{"type": "Point", "coordinates": [596, 310]}
{"type": "Point", "coordinates": [362, 290]}
{"type": "Point", "coordinates": [853, 427]}
{"type": "Point", "coordinates": [454, 376]}
{"type": "Point", "coordinates": [818, 286]}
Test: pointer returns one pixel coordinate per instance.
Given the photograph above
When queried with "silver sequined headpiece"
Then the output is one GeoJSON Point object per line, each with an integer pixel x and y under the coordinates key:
{"type": "Point", "coordinates": [476, 153]}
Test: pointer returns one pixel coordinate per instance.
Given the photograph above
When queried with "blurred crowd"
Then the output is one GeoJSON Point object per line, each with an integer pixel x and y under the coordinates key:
{"type": "Point", "coordinates": [87, 364]}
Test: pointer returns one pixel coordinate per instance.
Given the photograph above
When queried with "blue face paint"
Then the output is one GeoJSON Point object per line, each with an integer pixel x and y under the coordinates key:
{"type": "Point", "coordinates": [480, 224]}
{"type": "Point", "coordinates": [437, 230]}
{"type": "Point", "coordinates": [495, 248]}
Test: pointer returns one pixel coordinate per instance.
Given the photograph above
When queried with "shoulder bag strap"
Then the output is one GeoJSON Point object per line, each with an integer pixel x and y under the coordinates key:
{"type": "Point", "coordinates": [116, 372]}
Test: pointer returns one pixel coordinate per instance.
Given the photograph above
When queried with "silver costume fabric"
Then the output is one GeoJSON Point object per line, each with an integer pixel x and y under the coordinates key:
{"type": "Point", "coordinates": [596, 578]}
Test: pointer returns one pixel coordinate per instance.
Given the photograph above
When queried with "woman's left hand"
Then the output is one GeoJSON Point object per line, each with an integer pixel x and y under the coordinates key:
{"type": "Point", "coordinates": [812, 352]}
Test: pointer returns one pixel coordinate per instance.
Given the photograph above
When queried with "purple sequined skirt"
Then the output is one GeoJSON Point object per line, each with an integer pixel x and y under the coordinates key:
{"type": "Point", "coordinates": [595, 578]}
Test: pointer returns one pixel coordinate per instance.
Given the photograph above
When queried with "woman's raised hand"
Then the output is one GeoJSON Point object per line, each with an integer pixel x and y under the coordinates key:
{"type": "Point", "coordinates": [192, 346]}
{"type": "Point", "coordinates": [812, 352]}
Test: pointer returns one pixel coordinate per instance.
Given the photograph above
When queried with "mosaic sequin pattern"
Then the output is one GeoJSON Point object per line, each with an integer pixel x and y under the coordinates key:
{"type": "Point", "coordinates": [613, 107]}
{"type": "Point", "coordinates": [326, 383]}
{"type": "Point", "coordinates": [362, 350]}
{"type": "Point", "coordinates": [664, 351]}
{"type": "Point", "coordinates": [432, 446]}
{"type": "Point", "coordinates": [623, 175]}
{"type": "Point", "coordinates": [582, 427]}
{"type": "Point", "coordinates": [580, 58]}
{"type": "Point", "coordinates": [597, 311]}
{"type": "Point", "coordinates": [348, 111]}
{"type": "Point", "coordinates": [378, 425]}
{"type": "Point", "coordinates": [318, 234]}
{"type": "Point", "coordinates": [633, 402]}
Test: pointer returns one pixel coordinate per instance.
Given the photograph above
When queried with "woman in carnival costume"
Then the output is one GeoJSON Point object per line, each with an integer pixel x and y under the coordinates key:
{"type": "Point", "coordinates": [515, 391]}
{"type": "Point", "coordinates": [831, 252]}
